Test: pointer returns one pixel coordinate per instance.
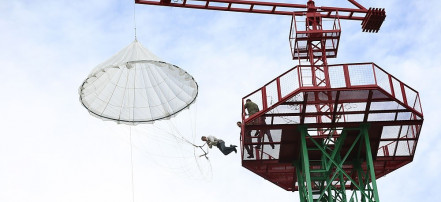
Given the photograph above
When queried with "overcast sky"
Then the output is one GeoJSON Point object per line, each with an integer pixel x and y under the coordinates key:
{"type": "Point", "coordinates": [52, 150]}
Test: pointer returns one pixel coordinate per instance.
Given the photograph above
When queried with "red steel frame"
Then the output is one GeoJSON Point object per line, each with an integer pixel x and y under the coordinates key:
{"type": "Point", "coordinates": [260, 7]}
{"type": "Point", "coordinates": [371, 18]}
{"type": "Point", "coordinates": [324, 98]}
{"type": "Point", "coordinates": [395, 118]}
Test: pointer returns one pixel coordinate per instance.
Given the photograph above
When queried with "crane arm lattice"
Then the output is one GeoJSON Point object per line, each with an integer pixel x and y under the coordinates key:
{"type": "Point", "coordinates": [230, 5]}
{"type": "Point", "coordinates": [262, 7]}
{"type": "Point", "coordinates": [371, 18]}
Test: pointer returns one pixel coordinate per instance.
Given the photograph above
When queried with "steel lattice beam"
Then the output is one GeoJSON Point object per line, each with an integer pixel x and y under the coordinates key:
{"type": "Point", "coordinates": [262, 7]}
{"type": "Point", "coordinates": [326, 179]}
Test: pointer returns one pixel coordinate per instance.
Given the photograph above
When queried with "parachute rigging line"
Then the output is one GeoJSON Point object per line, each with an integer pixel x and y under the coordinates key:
{"type": "Point", "coordinates": [188, 141]}
{"type": "Point", "coordinates": [205, 152]}
{"type": "Point", "coordinates": [134, 19]}
{"type": "Point", "coordinates": [190, 158]}
{"type": "Point", "coordinates": [131, 162]}
{"type": "Point", "coordinates": [201, 147]}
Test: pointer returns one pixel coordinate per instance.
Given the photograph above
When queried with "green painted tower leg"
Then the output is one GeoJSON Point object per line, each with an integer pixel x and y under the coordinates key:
{"type": "Point", "coordinates": [370, 162]}
{"type": "Point", "coordinates": [332, 168]}
{"type": "Point", "coordinates": [305, 166]}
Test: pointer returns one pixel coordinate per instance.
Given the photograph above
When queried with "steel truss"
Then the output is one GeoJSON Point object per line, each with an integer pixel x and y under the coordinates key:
{"type": "Point", "coordinates": [327, 178]}
{"type": "Point", "coordinates": [328, 154]}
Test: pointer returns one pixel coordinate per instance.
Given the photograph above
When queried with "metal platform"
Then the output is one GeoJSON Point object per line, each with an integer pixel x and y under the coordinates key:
{"type": "Point", "coordinates": [352, 97]}
{"type": "Point", "coordinates": [324, 35]}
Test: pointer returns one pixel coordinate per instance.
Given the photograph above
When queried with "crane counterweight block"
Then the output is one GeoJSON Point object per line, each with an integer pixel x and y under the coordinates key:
{"type": "Point", "coordinates": [373, 20]}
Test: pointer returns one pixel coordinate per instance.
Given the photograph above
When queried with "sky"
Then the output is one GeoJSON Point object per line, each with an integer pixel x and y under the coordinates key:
{"type": "Point", "coordinates": [52, 150]}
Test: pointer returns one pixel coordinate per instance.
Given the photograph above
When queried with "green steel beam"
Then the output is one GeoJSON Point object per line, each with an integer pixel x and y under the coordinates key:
{"type": "Point", "coordinates": [331, 166]}
{"type": "Point", "coordinates": [369, 160]}
{"type": "Point", "coordinates": [300, 181]}
{"type": "Point", "coordinates": [336, 164]}
{"type": "Point", "coordinates": [305, 162]}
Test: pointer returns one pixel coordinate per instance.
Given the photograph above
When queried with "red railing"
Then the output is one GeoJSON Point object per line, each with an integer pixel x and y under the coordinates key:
{"type": "Point", "coordinates": [399, 103]}
{"type": "Point", "coordinates": [350, 76]}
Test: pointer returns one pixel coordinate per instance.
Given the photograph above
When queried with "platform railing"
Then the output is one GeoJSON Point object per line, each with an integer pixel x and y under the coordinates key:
{"type": "Point", "coordinates": [344, 76]}
{"type": "Point", "coordinates": [397, 140]}
{"type": "Point", "coordinates": [328, 30]}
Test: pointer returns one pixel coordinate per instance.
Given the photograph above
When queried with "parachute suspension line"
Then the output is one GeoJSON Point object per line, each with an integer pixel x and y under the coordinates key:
{"type": "Point", "coordinates": [131, 162]}
{"type": "Point", "coordinates": [203, 152]}
{"type": "Point", "coordinates": [194, 135]}
{"type": "Point", "coordinates": [111, 96]}
{"type": "Point", "coordinates": [178, 136]}
{"type": "Point", "coordinates": [134, 19]}
{"type": "Point", "coordinates": [124, 94]}
{"type": "Point", "coordinates": [193, 124]}
{"type": "Point", "coordinates": [194, 120]}
{"type": "Point", "coordinates": [181, 137]}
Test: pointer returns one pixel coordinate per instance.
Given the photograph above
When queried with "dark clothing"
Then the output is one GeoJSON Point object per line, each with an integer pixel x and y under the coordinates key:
{"type": "Point", "coordinates": [213, 141]}
{"type": "Point", "coordinates": [251, 107]}
{"type": "Point", "coordinates": [225, 150]}
{"type": "Point", "coordinates": [261, 136]}
{"type": "Point", "coordinates": [247, 145]}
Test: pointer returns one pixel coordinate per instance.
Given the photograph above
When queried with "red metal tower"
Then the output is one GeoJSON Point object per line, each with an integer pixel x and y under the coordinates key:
{"type": "Point", "coordinates": [327, 131]}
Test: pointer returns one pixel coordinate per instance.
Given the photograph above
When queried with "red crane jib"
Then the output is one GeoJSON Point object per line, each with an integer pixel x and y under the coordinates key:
{"type": "Point", "coordinates": [372, 18]}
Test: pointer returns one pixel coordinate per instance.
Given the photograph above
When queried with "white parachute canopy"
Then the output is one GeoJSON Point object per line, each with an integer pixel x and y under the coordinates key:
{"type": "Point", "coordinates": [134, 86]}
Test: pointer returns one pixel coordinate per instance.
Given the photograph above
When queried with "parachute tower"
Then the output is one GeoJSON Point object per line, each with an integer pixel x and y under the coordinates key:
{"type": "Point", "coordinates": [335, 128]}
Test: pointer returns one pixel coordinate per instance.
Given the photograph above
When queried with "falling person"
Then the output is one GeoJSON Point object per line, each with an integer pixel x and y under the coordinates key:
{"type": "Point", "coordinates": [213, 141]}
